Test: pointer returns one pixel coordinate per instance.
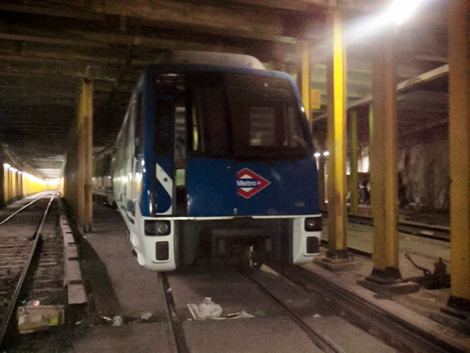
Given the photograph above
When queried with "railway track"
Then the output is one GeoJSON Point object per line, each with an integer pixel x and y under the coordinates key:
{"type": "Point", "coordinates": [30, 265]}
{"type": "Point", "coordinates": [13, 214]}
{"type": "Point", "coordinates": [392, 329]}
{"type": "Point", "coordinates": [414, 228]}
{"type": "Point", "coordinates": [281, 295]}
{"type": "Point", "coordinates": [176, 324]}
{"type": "Point", "coordinates": [324, 342]}
{"type": "Point", "coordinates": [388, 330]}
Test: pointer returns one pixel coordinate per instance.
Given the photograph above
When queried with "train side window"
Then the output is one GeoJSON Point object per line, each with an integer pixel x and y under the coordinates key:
{"type": "Point", "coordinates": [180, 134]}
{"type": "Point", "coordinates": [123, 140]}
{"type": "Point", "coordinates": [195, 130]}
{"type": "Point", "coordinates": [129, 132]}
{"type": "Point", "coordinates": [138, 125]}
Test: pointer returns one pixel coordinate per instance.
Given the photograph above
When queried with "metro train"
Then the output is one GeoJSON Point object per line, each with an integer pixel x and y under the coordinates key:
{"type": "Point", "coordinates": [215, 160]}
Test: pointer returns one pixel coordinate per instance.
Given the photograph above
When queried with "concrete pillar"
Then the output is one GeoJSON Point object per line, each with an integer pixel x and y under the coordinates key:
{"type": "Point", "coordinates": [383, 168]}
{"type": "Point", "coordinates": [337, 216]}
{"type": "Point", "coordinates": [459, 130]}
{"type": "Point", "coordinates": [353, 186]}
{"type": "Point", "coordinates": [305, 80]}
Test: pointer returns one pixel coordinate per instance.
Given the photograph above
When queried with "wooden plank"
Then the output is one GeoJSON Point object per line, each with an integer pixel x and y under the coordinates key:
{"type": "Point", "coordinates": [76, 294]}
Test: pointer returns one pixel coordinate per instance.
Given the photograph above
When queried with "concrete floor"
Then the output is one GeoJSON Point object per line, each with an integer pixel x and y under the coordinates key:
{"type": "Point", "coordinates": [121, 287]}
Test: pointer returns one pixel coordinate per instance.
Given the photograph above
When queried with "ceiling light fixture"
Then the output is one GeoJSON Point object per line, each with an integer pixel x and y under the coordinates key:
{"type": "Point", "coordinates": [401, 10]}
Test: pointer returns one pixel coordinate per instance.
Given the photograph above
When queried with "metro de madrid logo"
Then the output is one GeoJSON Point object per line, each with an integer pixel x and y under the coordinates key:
{"type": "Point", "coordinates": [249, 183]}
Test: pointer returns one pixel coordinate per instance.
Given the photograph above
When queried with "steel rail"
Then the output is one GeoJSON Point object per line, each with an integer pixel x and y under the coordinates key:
{"type": "Point", "coordinates": [14, 299]}
{"type": "Point", "coordinates": [21, 209]}
{"type": "Point", "coordinates": [414, 338]}
{"type": "Point", "coordinates": [176, 324]}
{"type": "Point", "coordinates": [370, 220]}
{"type": "Point", "coordinates": [323, 342]}
{"type": "Point", "coordinates": [401, 224]}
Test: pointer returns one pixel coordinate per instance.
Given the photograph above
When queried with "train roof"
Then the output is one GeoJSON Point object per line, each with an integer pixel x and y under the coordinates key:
{"type": "Point", "coordinates": [211, 59]}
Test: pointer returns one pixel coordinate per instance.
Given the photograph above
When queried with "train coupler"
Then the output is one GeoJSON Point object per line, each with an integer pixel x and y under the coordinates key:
{"type": "Point", "coordinates": [251, 258]}
{"type": "Point", "coordinates": [247, 247]}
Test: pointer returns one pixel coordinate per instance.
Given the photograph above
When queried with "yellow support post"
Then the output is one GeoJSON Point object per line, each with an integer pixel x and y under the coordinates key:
{"type": "Point", "coordinates": [80, 182]}
{"type": "Point", "coordinates": [5, 185]}
{"type": "Point", "coordinates": [459, 130]}
{"type": "Point", "coordinates": [305, 78]}
{"type": "Point", "coordinates": [385, 277]}
{"type": "Point", "coordinates": [2, 185]}
{"type": "Point", "coordinates": [383, 170]}
{"type": "Point", "coordinates": [9, 186]}
{"type": "Point", "coordinates": [86, 155]}
{"type": "Point", "coordinates": [337, 216]}
{"type": "Point", "coordinates": [353, 183]}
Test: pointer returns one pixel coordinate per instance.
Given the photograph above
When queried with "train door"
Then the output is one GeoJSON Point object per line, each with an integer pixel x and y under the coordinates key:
{"type": "Point", "coordinates": [170, 144]}
{"type": "Point", "coordinates": [179, 156]}
{"type": "Point", "coordinates": [134, 154]}
{"type": "Point", "coordinates": [137, 153]}
{"type": "Point", "coordinates": [129, 162]}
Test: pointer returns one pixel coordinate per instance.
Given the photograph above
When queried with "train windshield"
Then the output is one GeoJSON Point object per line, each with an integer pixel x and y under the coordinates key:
{"type": "Point", "coordinates": [242, 116]}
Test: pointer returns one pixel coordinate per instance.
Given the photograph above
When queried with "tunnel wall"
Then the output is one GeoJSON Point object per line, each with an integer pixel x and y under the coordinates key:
{"type": "Point", "coordinates": [423, 162]}
{"type": "Point", "coordinates": [71, 177]}
{"type": "Point", "coordinates": [17, 180]}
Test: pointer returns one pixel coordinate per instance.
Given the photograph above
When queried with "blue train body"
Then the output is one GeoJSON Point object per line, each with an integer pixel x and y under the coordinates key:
{"type": "Point", "coordinates": [213, 152]}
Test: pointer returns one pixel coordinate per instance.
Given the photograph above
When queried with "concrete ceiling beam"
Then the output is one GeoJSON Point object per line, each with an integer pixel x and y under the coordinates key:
{"type": "Point", "coordinates": [407, 84]}
{"type": "Point", "coordinates": [55, 12]}
{"type": "Point", "coordinates": [236, 21]}
{"type": "Point", "coordinates": [54, 41]}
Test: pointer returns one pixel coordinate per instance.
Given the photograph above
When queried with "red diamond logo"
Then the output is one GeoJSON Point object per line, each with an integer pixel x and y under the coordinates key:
{"type": "Point", "coordinates": [249, 183]}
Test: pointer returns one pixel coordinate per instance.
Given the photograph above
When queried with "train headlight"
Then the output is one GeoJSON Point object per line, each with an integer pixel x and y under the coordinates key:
{"type": "Point", "coordinates": [153, 227]}
{"type": "Point", "coordinates": [313, 224]}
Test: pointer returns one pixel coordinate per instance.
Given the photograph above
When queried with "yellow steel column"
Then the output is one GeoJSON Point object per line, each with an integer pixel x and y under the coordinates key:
{"type": "Point", "coordinates": [86, 152]}
{"type": "Point", "coordinates": [353, 186]}
{"type": "Point", "coordinates": [459, 129]}
{"type": "Point", "coordinates": [383, 147]}
{"type": "Point", "coordinates": [9, 185]}
{"type": "Point", "coordinates": [81, 155]}
{"type": "Point", "coordinates": [2, 184]}
{"type": "Point", "coordinates": [337, 216]}
{"type": "Point", "coordinates": [5, 184]}
{"type": "Point", "coordinates": [305, 89]}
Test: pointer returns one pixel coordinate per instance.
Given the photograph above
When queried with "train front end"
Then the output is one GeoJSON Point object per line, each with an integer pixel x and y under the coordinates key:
{"type": "Point", "coordinates": [227, 170]}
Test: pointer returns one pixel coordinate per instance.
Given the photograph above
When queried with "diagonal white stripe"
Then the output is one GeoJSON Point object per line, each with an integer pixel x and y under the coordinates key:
{"type": "Point", "coordinates": [167, 184]}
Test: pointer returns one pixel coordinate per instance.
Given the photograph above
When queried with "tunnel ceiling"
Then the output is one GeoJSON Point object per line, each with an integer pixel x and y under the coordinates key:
{"type": "Point", "coordinates": [48, 47]}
